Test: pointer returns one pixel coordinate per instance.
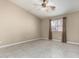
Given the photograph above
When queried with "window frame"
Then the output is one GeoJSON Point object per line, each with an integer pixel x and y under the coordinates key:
{"type": "Point", "coordinates": [56, 25]}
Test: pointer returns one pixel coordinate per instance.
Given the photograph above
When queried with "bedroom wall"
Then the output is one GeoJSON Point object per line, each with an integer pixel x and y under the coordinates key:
{"type": "Point", "coordinates": [72, 27]}
{"type": "Point", "coordinates": [16, 24]}
{"type": "Point", "coordinates": [44, 28]}
{"type": "Point", "coordinates": [57, 35]}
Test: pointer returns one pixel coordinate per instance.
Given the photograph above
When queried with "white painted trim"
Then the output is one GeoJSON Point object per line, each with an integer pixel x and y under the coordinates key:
{"type": "Point", "coordinates": [44, 38]}
{"type": "Point", "coordinates": [72, 42]}
{"type": "Point", "coordinates": [8, 45]}
{"type": "Point", "coordinates": [58, 40]}
{"type": "Point", "coordinates": [52, 39]}
{"type": "Point", "coordinates": [69, 42]}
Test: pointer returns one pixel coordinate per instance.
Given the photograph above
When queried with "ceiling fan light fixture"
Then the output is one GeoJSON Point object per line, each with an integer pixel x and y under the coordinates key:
{"type": "Point", "coordinates": [47, 5]}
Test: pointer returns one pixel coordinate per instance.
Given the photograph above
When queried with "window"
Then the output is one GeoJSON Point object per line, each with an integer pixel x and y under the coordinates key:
{"type": "Point", "coordinates": [57, 25]}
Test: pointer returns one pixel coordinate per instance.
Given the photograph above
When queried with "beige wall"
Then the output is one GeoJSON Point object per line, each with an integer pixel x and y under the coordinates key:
{"type": "Point", "coordinates": [44, 28]}
{"type": "Point", "coordinates": [16, 24]}
{"type": "Point", "coordinates": [72, 27]}
{"type": "Point", "coordinates": [57, 35]}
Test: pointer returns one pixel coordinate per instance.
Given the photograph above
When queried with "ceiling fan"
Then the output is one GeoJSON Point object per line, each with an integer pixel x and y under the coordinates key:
{"type": "Point", "coordinates": [47, 5]}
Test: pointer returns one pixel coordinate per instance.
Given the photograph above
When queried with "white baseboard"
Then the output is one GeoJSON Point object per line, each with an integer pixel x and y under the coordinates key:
{"type": "Point", "coordinates": [75, 43]}
{"type": "Point", "coordinates": [58, 40]}
{"type": "Point", "coordinates": [8, 45]}
{"type": "Point", "coordinates": [52, 39]}
{"type": "Point", "coordinates": [44, 38]}
{"type": "Point", "coordinates": [69, 42]}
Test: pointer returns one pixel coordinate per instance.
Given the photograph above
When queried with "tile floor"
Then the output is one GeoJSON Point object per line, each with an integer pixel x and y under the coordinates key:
{"type": "Point", "coordinates": [41, 49]}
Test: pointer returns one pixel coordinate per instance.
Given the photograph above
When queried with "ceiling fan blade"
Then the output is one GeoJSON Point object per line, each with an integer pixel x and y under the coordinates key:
{"type": "Point", "coordinates": [45, 1]}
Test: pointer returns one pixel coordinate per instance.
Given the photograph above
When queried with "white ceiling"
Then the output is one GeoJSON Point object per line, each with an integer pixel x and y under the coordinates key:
{"type": "Point", "coordinates": [62, 7]}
